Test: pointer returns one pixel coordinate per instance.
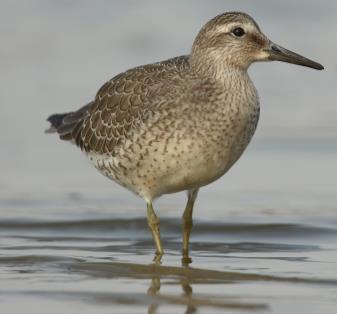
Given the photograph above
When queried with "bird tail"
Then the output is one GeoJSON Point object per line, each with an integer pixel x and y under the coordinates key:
{"type": "Point", "coordinates": [56, 121]}
{"type": "Point", "coordinates": [68, 125]}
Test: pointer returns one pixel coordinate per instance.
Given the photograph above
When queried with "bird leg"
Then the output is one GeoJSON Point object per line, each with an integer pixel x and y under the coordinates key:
{"type": "Point", "coordinates": [187, 225]}
{"type": "Point", "coordinates": [153, 223]}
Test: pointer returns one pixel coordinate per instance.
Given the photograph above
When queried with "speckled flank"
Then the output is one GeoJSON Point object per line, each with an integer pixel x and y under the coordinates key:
{"type": "Point", "coordinates": [174, 125]}
{"type": "Point", "coordinates": [181, 145]}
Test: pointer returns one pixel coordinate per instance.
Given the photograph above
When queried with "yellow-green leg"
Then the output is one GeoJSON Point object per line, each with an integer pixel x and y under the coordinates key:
{"type": "Point", "coordinates": [153, 223]}
{"type": "Point", "coordinates": [187, 225]}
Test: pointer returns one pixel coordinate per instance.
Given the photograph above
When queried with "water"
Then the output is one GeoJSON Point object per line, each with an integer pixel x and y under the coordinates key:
{"type": "Point", "coordinates": [265, 235]}
{"type": "Point", "coordinates": [246, 264]}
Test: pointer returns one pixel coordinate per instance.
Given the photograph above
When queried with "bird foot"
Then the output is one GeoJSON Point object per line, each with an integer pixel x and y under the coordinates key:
{"type": "Point", "coordinates": [157, 258]}
{"type": "Point", "coordinates": [186, 261]}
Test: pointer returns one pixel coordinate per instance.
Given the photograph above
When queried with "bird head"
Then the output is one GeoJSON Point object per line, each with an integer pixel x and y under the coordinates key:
{"type": "Point", "coordinates": [234, 39]}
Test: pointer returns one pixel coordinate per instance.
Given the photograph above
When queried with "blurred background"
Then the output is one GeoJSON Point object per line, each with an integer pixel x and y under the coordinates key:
{"type": "Point", "coordinates": [72, 241]}
{"type": "Point", "coordinates": [55, 55]}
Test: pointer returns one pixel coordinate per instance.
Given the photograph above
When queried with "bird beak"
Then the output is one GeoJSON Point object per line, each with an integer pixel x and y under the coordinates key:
{"type": "Point", "coordinates": [278, 53]}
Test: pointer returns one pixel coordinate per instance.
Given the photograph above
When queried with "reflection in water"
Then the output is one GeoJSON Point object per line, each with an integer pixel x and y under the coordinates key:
{"type": "Point", "coordinates": [154, 289]}
{"type": "Point", "coordinates": [82, 257]}
{"type": "Point", "coordinates": [185, 276]}
{"type": "Point", "coordinates": [152, 292]}
{"type": "Point", "coordinates": [188, 292]}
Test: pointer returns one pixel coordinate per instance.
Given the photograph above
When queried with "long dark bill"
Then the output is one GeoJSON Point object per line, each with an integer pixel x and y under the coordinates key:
{"type": "Point", "coordinates": [279, 53]}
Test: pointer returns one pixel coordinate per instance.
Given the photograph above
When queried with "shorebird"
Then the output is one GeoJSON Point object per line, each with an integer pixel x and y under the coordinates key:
{"type": "Point", "coordinates": [179, 124]}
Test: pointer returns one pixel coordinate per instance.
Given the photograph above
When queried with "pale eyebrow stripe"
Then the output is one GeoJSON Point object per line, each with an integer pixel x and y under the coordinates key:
{"type": "Point", "coordinates": [230, 26]}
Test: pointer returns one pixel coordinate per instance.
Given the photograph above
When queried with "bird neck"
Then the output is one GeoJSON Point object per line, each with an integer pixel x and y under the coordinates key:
{"type": "Point", "coordinates": [214, 67]}
{"type": "Point", "coordinates": [226, 77]}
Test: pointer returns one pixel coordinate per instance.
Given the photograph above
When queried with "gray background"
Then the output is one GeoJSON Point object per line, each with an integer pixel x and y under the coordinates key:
{"type": "Point", "coordinates": [55, 55]}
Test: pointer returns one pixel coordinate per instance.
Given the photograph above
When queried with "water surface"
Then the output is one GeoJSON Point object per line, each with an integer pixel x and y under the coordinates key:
{"type": "Point", "coordinates": [246, 264]}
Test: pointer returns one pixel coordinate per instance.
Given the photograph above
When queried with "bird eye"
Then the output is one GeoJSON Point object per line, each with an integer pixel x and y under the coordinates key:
{"type": "Point", "coordinates": [238, 32]}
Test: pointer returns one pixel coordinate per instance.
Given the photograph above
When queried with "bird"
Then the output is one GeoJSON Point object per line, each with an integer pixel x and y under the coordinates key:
{"type": "Point", "coordinates": [179, 124]}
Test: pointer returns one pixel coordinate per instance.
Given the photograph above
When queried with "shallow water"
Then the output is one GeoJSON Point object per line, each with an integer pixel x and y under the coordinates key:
{"type": "Point", "coordinates": [247, 264]}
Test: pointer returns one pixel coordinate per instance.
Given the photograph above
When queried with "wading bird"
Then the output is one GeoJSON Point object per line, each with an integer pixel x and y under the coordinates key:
{"type": "Point", "coordinates": [179, 124]}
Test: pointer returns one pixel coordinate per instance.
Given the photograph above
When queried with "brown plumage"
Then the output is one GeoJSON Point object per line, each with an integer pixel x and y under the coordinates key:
{"type": "Point", "coordinates": [178, 124]}
{"type": "Point", "coordinates": [120, 105]}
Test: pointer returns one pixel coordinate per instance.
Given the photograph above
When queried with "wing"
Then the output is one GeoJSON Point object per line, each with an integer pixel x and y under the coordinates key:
{"type": "Point", "coordinates": [122, 104]}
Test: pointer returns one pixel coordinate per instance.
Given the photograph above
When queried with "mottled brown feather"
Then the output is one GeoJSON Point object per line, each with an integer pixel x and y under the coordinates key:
{"type": "Point", "coordinates": [121, 105]}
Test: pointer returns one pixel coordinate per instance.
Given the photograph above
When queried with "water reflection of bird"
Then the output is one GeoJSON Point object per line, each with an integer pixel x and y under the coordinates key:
{"type": "Point", "coordinates": [152, 292]}
{"type": "Point", "coordinates": [179, 124]}
{"type": "Point", "coordinates": [186, 298]}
